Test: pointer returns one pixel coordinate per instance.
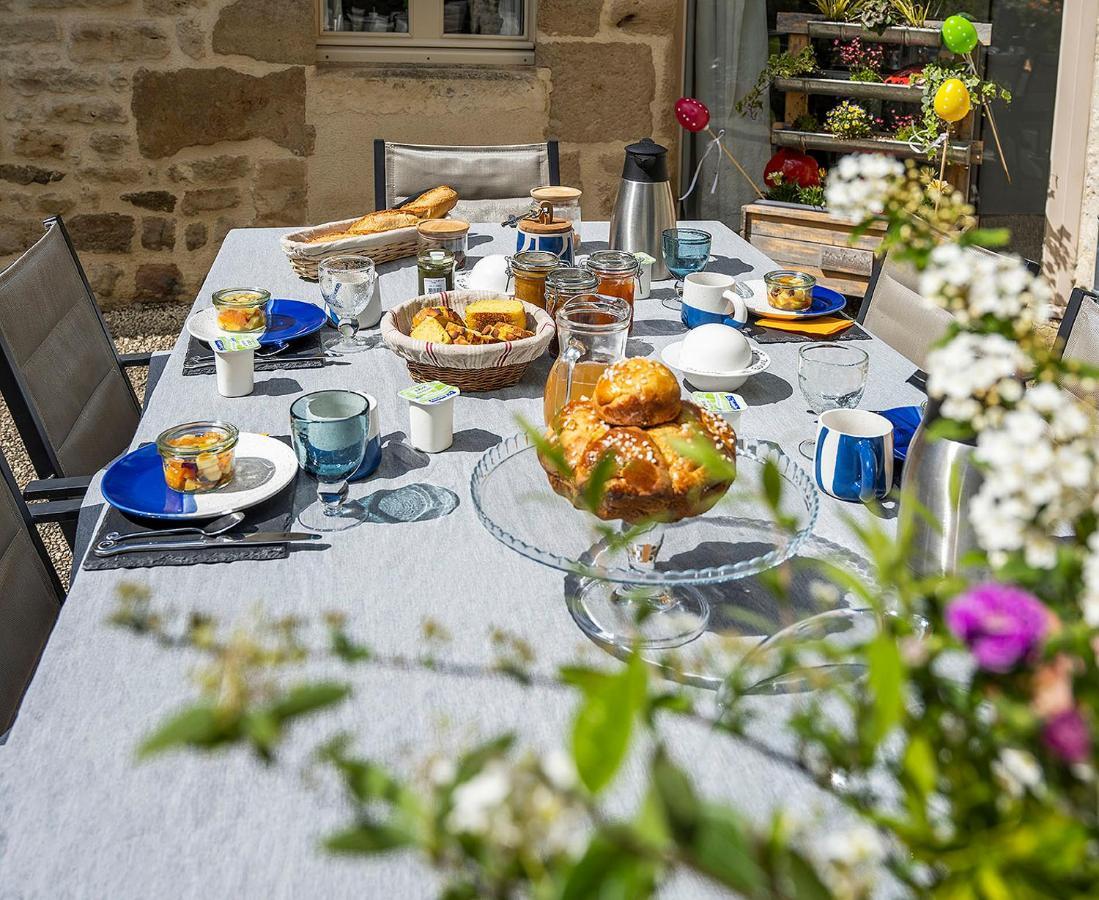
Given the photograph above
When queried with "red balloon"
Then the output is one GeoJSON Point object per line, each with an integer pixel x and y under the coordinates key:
{"type": "Point", "coordinates": [692, 114]}
{"type": "Point", "coordinates": [796, 168]}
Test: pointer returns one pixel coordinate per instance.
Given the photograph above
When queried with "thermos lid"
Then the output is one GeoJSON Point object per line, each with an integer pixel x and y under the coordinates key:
{"type": "Point", "coordinates": [646, 161]}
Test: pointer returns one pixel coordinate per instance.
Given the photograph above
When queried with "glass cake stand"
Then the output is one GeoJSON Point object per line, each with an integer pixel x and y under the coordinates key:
{"type": "Point", "coordinates": [644, 592]}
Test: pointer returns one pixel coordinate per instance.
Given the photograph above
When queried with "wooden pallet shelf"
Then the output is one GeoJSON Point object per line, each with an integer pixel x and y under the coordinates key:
{"type": "Point", "coordinates": [815, 26]}
{"type": "Point", "coordinates": [961, 153]}
{"type": "Point", "coordinates": [844, 87]}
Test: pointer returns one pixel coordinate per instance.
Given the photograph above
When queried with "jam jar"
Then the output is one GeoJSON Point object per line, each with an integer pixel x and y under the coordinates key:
{"type": "Point", "coordinates": [529, 270]}
{"type": "Point", "coordinates": [562, 285]}
{"type": "Point", "coordinates": [445, 234]}
{"type": "Point", "coordinates": [618, 273]}
{"type": "Point", "coordinates": [435, 271]}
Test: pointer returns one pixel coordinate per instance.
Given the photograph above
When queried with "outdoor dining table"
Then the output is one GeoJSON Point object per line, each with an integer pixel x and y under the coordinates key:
{"type": "Point", "coordinates": [80, 816]}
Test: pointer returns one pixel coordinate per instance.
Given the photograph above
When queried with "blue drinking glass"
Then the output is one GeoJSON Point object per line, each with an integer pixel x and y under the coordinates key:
{"type": "Point", "coordinates": [329, 430]}
{"type": "Point", "coordinates": [686, 250]}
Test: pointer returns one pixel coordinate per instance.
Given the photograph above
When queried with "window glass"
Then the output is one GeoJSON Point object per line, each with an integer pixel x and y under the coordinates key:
{"type": "Point", "coordinates": [487, 17]}
{"type": "Point", "coordinates": [376, 16]}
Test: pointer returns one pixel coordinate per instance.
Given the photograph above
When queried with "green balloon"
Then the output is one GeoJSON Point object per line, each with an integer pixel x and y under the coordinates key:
{"type": "Point", "coordinates": [959, 35]}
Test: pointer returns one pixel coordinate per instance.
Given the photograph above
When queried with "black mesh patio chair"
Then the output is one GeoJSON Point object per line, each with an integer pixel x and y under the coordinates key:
{"type": "Point", "coordinates": [1078, 336]}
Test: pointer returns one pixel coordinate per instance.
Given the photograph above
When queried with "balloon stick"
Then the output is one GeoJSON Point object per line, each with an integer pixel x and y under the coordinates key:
{"type": "Point", "coordinates": [992, 122]}
{"type": "Point", "coordinates": [733, 160]}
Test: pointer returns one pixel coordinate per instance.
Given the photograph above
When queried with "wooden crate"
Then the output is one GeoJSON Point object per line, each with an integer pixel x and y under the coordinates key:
{"type": "Point", "coordinates": [810, 240]}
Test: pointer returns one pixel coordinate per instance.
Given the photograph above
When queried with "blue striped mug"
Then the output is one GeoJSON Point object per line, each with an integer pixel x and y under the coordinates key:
{"type": "Point", "coordinates": [854, 460]}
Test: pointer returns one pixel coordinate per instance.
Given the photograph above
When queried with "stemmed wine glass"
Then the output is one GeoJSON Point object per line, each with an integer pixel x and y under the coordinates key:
{"type": "Point", "coordinates": [347, 284]}
{"type": "Point", "coordinates": [328, 430]}
{"type": "Point", "coordinates": [686, 250]}
{"type": "Point", "coordinates": [831, 376]}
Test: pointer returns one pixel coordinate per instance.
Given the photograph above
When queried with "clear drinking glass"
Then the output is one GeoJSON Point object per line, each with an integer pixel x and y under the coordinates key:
{"type": "Point", "coordinates": [831, 376]}
{"type": "Point", "coordinates": [329, 429]}
{"type": "Point", "coordinates": [686, 250]}
{"type": "Point", "coordinates": [347, 284]}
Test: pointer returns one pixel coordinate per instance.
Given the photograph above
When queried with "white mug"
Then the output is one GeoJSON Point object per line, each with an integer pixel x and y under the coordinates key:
{"type": "Point", "coordinates": [710, 297]}
{"type": "Point", "coordinates": [854, 459]}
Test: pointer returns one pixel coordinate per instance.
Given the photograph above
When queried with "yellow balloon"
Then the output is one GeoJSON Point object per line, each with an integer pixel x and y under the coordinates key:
{"type": "Point", "coordinates": [952, 101]}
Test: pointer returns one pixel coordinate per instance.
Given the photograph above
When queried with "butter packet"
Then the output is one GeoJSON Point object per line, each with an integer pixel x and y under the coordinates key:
{"type": "Point", "coordinates": [721, 403]}
{"type": "Point", "coordinates": [429, 393]}
{"type": "Point", "coordinates": [233, 344]}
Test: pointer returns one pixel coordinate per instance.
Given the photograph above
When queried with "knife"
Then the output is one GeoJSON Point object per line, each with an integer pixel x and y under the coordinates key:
{"type": "Point", "coordinates": [260, 538]}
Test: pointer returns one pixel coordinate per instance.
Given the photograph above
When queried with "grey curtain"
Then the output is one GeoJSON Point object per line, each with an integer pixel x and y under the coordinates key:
{"type": "Point", "coordinates": [726, 47]}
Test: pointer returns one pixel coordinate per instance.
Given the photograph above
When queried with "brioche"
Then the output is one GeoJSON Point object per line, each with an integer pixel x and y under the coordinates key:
{"type": "Point", "coordinates": [443, 313]}
{"type": "Point", "coordinates": [481, 314]}
{"type": "Point", "coordinates": [433, 204]}
{"type": "Point", "coordinates": [651, 478]}
{"type": "Point", "coordinates": [637, 391]}
{"type": "Point", "coordinates": [431, 330]}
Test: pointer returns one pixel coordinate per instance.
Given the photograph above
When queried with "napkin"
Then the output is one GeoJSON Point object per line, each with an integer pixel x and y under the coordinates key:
{"type": "Point", "coordinates": [303, 353]}
{"type": "Point", "coordinates": [825, 326]}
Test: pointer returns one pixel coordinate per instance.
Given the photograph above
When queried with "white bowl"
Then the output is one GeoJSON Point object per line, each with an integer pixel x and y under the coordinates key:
{"type": "Point", "coordinates": [716, 348]}
{"type": "Point", "coordinates": [715, 381]}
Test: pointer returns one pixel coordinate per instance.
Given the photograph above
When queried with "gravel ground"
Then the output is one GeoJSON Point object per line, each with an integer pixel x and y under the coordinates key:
{"type": "Point", "coordinates": [136, 328]}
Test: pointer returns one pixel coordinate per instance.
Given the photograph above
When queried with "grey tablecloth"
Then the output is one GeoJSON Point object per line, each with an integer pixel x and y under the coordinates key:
{"type": "Point", "coordinates": [80, 818]}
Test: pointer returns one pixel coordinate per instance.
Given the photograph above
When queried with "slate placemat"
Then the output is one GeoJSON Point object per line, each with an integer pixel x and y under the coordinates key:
{"type": "Point", "coordinates": [276, 514]}
{"type": "Point", "coordinates": [304, 353]}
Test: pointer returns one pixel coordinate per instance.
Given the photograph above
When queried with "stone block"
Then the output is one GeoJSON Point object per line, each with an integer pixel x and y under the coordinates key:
{"type": "Point", "coordinates": [158, 233]}
{"type": "Point", "coordinates": [109, 175]}
{"type": "Point", "coordinates": [158, 201]}
{"type": "Point", "coordinates": [645, 16]}
{"type": "Point", "coordinates": [75, 4]}
{"type": "Point", "coordinates": [29, 31]}
{"type": "Point", "coordinates": [208, 199]}
{"type": "Point", "coordinates": [103, 279]}
{"type": "Point", "coordinates": [572, 17]}
{"type": "Point", "coordinates": [172, 7]}
{"type": "Point", "coordinates": [88, 112]}
{"type": "Point", "coordinates": [53, 79]}
{"type": "Point", "coordinates": [155, 282]}
{"type": "Point", "coordinates": [102, 232]}
{"type": "Point", "coordinates": [29, 174]}
{"type": "Point", "coordinates": [195, 235]}
{"type": "Point", "coordinates": [16, 235]}
{"type": "Point", "coordinates": [55, 204]}
{"type": "Point", "coordinates": [192, 38]}
{"type": "Point", "coordinates": [108, 144]}
{"type": "Point", "coordinates": [117, 42]}
{"type": "Point", "coordinates": [279, 192]}
{"type": "Point", "coordinates": [278, 31]}
{"type": "Point", "coordinates": [236, 107]}
{"type": "Point", "coordinates": [605, 90]}
{"type": "Point", "coordinates": [570, 168]}
{"type": "Point", "coordinates": [38, 142]}
{"type": "Point", "coordinates": [215, 168]}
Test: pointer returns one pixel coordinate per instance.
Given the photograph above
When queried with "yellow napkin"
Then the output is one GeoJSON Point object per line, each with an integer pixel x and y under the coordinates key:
{"type": "Point", "coordinates": [825, 326]}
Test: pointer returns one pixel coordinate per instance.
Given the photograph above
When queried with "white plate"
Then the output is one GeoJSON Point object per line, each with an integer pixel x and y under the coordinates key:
{"type": "Point", "coordinates": [715, 381]}
{"type": "Point", "coordinates": [135, 483]}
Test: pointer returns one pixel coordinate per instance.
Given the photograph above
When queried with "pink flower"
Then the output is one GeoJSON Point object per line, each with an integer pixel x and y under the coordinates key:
{"type": "Point", "coordinates": [1000, 623]}
{"type": "Point", "coordinates": [1067, 736]}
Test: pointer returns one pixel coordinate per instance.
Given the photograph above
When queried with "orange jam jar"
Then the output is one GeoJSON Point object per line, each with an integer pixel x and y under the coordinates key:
{"type": "Point", "coordinates": [617, 271]}
{"type": "Point", "coordinates": [529, 269]}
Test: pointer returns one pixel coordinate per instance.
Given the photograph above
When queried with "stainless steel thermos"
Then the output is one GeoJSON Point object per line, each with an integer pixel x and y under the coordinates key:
{"type": "Point", "coordinates": [645, 205]}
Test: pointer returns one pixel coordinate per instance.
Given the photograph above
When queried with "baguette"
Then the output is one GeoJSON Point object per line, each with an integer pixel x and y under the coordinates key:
{"type": "Point", "coordinates": [433, 204]}
{"type": "Point", "coordinates": [383, 220]}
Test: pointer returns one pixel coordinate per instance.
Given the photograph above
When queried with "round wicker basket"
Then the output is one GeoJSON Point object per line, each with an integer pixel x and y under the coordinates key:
{"type": "Point", "coordinates": [485, 367]}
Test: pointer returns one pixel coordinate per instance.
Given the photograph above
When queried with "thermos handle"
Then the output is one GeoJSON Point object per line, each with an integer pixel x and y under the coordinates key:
{"type": "Point", "coordinates": [868, 469]}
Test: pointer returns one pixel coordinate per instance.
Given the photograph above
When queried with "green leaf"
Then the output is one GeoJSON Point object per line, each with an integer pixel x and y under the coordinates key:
{"type": "Point", "coordinates": [919, 763]}
{"type": "Point", "coordinates": [721, 851]}
{"type": "Point", "coordinates": [591, 495]}
{"type": "Point", "coordinates": [548, 451]}
{"type": "Point", "coordinates": [368, 837]}
{"type": "Point", "coordinates": [608, 872]}
{"type": "Point", "coordinates": [604, 724]}
{"type": "Point", "coordinates": [347, 650]}
{"type": "Point", "coordinates": [201, 725]}
{"type": "Point", "coordinates": [677, 795]}
{"type": "Point", "coordinates": [472, 762]}
{"type": "Point", "coordinates": [987, 237]}
{"type": "Point", "coordinates": [702, 451]}
{"type": "Point", "coordinates": [306, 698]}
{"type": "Point", "coordinates": [886, 680]}
{"type": "Point", "coordinates": [263, 731]}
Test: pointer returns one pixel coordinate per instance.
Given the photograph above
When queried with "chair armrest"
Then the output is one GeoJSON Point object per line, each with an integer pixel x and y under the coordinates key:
{"type": "Point", "coordinates": [57, 488]}
{"type": "Point", "coordinates": [55, 511]}
{"type": "Point", "coordinates": [134, 360]}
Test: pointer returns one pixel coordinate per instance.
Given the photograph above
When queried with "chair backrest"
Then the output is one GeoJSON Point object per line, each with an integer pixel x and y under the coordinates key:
{"type": "Point", "coordinates": [30, 598]}
{"type": "Point", "coordinates": [492, 181]}
{"type": "Point", "coordinates": [59, 372]}
{"type": "Point", "coordinates": [895, 312]}
{"type": "Point", "coordinates": [1079, 334]}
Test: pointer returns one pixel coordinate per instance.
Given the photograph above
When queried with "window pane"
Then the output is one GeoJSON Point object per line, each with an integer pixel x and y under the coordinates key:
{"type": "Point", "coordinates": [366, 15]}
{"type": "Point", "coordinates": [503, 17]}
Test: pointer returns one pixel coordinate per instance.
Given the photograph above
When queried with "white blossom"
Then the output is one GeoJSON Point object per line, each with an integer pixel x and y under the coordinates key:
{"type": "Point", "coordinates": [1017, 771]}
{"type": "Point", "coordinates": [971, 375]}
{"type": "Point", "coordinates": [859, 185]}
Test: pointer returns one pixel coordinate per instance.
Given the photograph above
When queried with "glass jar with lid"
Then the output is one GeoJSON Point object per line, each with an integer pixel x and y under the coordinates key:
{"type": "Point", "coordinates": [617, 271]}
{"type": "Point", "coordinates": [562, 285]}
{"type": "Point", "coordinates": [566, 205]}
{"type": "Point", "coordinates": [445, 234]}
{"type": "Point", "coordinates": [435, 271]}
{"type": "Point", "coordinates": [528, 270]}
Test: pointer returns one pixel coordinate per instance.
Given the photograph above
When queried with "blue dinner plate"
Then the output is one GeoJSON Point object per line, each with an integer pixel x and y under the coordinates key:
{"type": "Point", "coordinates": [288, 320]}
{"type": "Point", "coordinates": [825, 302]}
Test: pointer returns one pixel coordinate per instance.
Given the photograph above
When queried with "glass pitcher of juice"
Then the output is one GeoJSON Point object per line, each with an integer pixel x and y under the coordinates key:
{"type": "Point", "coordinates": [591, 333]}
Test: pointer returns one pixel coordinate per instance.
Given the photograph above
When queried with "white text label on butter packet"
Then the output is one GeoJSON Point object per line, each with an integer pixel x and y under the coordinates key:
{"type": "Point", "coordinates": [718, 401]}
{"type": "Point", "coordinates": [429, 392]}
{"type": "Point", "coordinates": [233, 344]}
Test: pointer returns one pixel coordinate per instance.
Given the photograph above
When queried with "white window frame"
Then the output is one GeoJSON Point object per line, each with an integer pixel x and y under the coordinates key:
{"type": "Point", "coordinates": [425, 40]}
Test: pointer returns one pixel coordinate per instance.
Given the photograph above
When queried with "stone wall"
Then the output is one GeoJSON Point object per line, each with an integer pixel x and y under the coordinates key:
{"type": "Point", "coordinates": [155, 126]}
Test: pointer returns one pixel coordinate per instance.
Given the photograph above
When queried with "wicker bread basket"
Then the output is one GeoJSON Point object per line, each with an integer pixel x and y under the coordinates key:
{"type": "Point", "coordinates": [485, 367]}
{"type": "Point", "coordinates": [305, 257]}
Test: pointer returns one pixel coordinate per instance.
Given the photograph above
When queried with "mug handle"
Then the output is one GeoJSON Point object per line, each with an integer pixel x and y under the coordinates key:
{"type": "Point", "coordinates": [868, 469]}
{"type": "Point", "coordinates": [739, 317]}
